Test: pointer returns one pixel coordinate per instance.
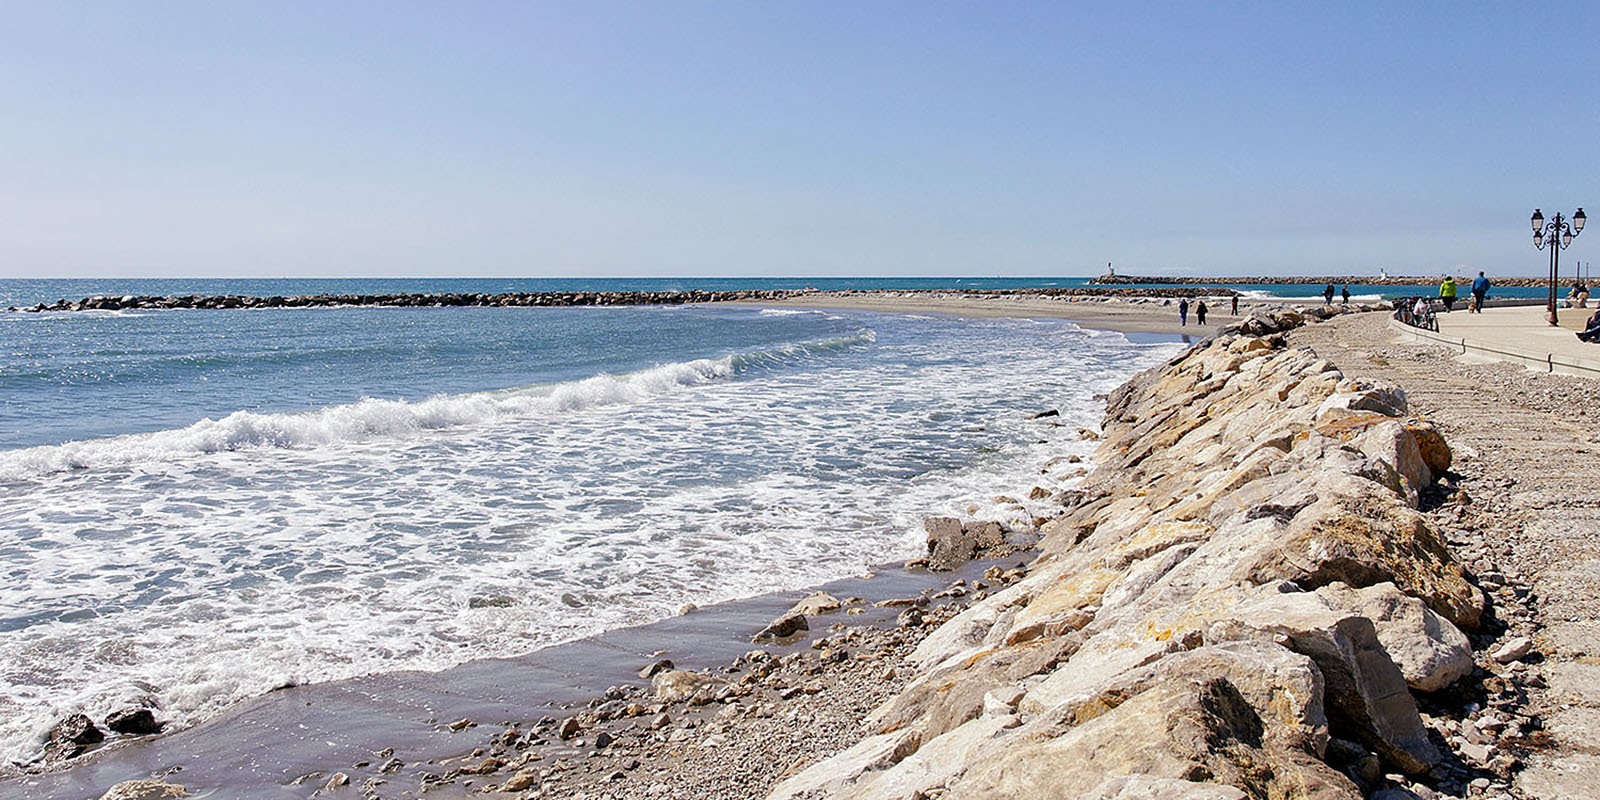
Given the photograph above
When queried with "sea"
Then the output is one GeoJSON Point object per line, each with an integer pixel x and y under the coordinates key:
{"type": "Point", "coordinates": [199, 506]}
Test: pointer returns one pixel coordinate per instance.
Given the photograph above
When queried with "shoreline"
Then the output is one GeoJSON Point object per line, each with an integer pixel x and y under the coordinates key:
{"type": "Point", "coordinates": [1144, 315]}
{"type": "Point", "coordinates": [296, 738]}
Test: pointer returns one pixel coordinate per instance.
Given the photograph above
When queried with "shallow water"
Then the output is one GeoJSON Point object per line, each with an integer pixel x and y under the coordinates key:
{"type": "Point", "coordinates": [200, 506]}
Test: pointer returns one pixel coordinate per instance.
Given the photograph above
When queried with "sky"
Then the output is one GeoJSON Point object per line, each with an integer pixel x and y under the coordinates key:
{"type": "Point", "coordinates": [818, 138]}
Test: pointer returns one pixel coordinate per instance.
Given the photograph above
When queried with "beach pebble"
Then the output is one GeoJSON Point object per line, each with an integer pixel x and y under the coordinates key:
{"type": "Point", "coordinates": [1512, 650]}
{"type": "Point", "coordinates": [569, 728]}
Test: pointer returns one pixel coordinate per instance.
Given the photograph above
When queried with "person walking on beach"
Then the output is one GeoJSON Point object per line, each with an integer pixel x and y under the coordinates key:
{"type": "Point", "coordinates": [1183, 311]}
{"type": "Point", "coordinates": [1480, 292]}
{"type": "Point", "coordinates": [1200, 312]}
{"type": "Point", "coordinates": [1327, 295]}
{"type": "Point", "coordinates": [1447, 293]}
{"type": "Point", "coordinates": [1235, 311]}
{"type": "Point", "coordinates": [1344, 294]}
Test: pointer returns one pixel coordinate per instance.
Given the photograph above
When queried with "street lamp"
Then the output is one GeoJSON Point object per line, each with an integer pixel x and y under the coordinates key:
{"type": "Point", "coordinates": [1558, 234]}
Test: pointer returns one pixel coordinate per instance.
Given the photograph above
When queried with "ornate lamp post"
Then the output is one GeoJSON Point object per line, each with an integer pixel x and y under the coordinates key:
{"type": "Point", "coordinates": [1558, 234]}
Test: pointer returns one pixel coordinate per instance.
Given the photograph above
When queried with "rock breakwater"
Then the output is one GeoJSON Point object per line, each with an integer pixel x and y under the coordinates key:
{"type": "Point", "coordinates": [1244, 603]}
{"type": "Point", "coordinates": [503, 299]}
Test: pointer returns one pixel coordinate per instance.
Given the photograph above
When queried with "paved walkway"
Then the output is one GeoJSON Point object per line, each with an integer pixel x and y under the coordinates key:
{"type": "Point", "coordinates": [1518, 334]}
{"type": "Point", "coordinates": [1525, 326]}
{"type": "Point", "coordinates": [1528, 457]}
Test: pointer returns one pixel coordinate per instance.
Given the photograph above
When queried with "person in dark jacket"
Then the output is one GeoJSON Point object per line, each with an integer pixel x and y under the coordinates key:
{"type": "Point", "coordinates": [1183, 311]}
{"type": "Point", "coordinates": [1480, 292]}
{"type": "Point", "coordinates": [1200, 312]}
{"type": "Point", "coordinates": [1327, 295]}
{"type": "Point", "coordinates": [1591, 329]}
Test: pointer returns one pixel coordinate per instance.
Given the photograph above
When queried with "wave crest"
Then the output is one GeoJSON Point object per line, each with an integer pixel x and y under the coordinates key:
{"type": "Point", "coordinates": [371, 418]}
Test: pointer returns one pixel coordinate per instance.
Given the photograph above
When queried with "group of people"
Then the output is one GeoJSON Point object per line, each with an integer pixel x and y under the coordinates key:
{"type": "Point", "coordinates": [1327, 294]}
{"type": "Point", "coordinates": [1479, 289]}
{"type": "Point", "coordinates": [1200, 310]}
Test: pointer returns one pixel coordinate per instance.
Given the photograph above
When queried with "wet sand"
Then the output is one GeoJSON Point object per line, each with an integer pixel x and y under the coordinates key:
{"type": "Point", "coordinates": [290, 742]}
{"type": "Point", "coordinates": [1112, 314]}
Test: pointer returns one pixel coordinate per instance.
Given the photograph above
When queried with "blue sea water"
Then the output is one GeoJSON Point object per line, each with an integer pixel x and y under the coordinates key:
{"type": "Point", "coordinates": [202, 505]}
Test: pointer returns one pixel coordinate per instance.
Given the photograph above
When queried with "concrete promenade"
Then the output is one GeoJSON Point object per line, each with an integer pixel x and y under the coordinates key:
{"type": "Point", "coordinates": [1518, 334]}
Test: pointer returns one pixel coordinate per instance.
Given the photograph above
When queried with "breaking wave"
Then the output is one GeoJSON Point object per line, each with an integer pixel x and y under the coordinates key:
{"type": "Point", "coordinates": [372, 418]}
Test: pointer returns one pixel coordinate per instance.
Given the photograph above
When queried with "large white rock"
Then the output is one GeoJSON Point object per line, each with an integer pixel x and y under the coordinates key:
{"type": "Point", "coordinates": [1430, 652]}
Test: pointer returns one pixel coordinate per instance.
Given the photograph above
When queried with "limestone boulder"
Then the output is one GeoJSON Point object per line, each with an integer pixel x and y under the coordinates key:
{"type": "Point", "coordinates": [1430, 652]}
{"type": "Point", "coordinates": [949, 544]}
{"type": "Point", "coordinates": [1145, 787]}
{"type": "Point", "coordinates": [1365, 692]}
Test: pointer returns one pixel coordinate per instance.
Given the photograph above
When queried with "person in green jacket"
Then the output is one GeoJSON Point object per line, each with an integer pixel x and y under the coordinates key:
{"type": "Point", "coordinates": [1447, 292]}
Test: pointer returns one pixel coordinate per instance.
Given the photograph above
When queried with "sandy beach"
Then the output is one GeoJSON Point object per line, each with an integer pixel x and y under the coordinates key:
{"type": "Point", "coordinates": [1111, 314]}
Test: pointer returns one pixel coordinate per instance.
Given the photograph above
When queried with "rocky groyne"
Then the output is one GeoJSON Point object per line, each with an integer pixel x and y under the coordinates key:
{"type": "Point", "coordinates": [503, 299]}
{"type": "Point", "coordinates": [1243, 602]}
{"type": "Point", "coordinates": [560, 299]}
{"type": "Point", "coordinates": [1313, 280]}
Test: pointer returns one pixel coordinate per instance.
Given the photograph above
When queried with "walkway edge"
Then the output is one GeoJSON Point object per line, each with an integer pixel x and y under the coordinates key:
{"type": "Point", "coordinates": [1542, 362]}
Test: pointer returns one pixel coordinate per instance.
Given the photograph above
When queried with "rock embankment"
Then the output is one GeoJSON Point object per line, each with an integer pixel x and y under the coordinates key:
{"type": "Point", "coordinates": [1245, 603]}
{"type": "Point", "coordinates": [542, 299]}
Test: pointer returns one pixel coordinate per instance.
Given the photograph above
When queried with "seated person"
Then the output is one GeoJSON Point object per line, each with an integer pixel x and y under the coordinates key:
{"type": "Point", "coordinates": [1579, 295]}
{"type": "Point", "coordinates": [1591, 329]}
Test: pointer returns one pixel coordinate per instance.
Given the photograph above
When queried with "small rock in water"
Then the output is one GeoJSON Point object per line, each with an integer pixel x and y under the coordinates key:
{"type": "Point", "coordinates": [572, 600]}
{"type": "Point", "coordinates": [337, 780]}
{"type": "Point", "coordinates": [133, 721]}
{"type": "Point", "coordinates": [659, 666]}
{"type": "Point", "coordinates": [71, 736]}
{"type": "Point", "coordinates": [784, 627]}
{"type": "Point", "coordinates": [816, 603]}
{"type": "Point", "coordinates": [1042, 414]}
{"type": "Point", "coordinates": [496, 601]}
{"type": "Point", "coordinates": [144, 790]}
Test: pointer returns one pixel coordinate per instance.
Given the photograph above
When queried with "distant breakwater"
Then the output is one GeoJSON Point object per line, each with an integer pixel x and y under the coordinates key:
{"type": "Point", "coordinates": [555, 299]}
{"type": "Point", "coordinates": [1313, 280]}
{"type": "Point", "coordinates": [504, 299]}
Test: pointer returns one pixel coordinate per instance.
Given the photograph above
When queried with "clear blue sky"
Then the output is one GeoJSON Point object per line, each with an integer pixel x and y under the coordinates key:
{"type": "Point", "coordinates": [789, 138]}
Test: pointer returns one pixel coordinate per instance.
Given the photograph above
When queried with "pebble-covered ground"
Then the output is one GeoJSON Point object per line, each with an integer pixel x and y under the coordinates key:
{"type": "Point", "coordinates": [729, 732]}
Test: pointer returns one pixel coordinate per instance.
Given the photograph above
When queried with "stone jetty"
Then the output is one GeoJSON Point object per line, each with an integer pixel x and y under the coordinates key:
{"type": "Point", "coordinates": [503, 299]}
{"type": "Point", "coordinates": [564, 299]}
{"type": "Point", "coordinates": [1244, 602]}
